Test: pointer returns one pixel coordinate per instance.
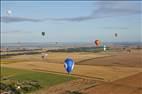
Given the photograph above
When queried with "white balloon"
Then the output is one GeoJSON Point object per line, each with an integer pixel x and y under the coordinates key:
{"type": "Point", "coordinates": [104, 47]}
{"type": "Point", "coordinates": [9, 12]}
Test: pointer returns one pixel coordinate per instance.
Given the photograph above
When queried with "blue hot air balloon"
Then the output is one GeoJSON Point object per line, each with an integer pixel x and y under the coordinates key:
{"type": "Point", "coordinates": [69, 65]}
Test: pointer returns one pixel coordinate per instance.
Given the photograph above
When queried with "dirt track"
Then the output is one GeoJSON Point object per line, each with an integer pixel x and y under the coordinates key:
{"type": "Point", "coordinates": [75, 85]}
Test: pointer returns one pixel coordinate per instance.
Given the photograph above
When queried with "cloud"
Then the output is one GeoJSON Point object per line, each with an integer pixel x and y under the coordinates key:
{"type": "Point", "coordinates": [102, 9]}
{"type": "Point", "coordinates": [80, 18]}
{"type": "Point", "coordinates": [11, 19]}
{"type": "Point", "coordinates": [14, 31]}
{"type": "Point", "coordinates": [108, 9]}
{"type": "Point", "coordinates": [120, 28]}
{"type": "Point", "coordinates": [114, 8]}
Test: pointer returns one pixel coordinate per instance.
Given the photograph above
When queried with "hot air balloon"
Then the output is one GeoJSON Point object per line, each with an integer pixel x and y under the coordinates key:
{"type": "Point", "coordinates": [104, 47]}
{"type": "Point", "coordinates": [69, 65]}
{"type": "Point", "coordinates": [97, 42]}
{"type": "Point", "coordinates": [115, 34]}
{"type": "Point", "coordinates": [8, 12]}
{"type": "Point", "coordinates": [43, 33]}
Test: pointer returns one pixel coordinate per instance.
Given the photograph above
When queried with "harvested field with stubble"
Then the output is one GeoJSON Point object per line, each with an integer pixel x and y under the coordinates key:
{"type": "Point", "coordinates": [124, 59]}
{"type": "Point", "coordinates": [128, 85]}
{"type": "Point", "coordinates": [53, 57]}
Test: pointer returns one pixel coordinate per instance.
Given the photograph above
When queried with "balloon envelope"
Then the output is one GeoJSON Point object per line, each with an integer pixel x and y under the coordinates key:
{"type": "Point", "coordinates": [104, 47]}
{"type": "Point", "coordinates": [43, 33]}
{"type": "Point", "coordinates": [9, 12]}
{"type": "Point", "coordinates": [97, 42]}
{"type": "Point", "coordinates": [116, 34]}
{"type": "Point", "coordinates": [69, 65]}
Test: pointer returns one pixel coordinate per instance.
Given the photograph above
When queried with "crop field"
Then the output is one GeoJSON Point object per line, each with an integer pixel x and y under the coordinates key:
{"type": "Point", "coordinates": [92, 71]}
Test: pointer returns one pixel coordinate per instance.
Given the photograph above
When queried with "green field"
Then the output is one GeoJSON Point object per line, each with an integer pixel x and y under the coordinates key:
{"type": "Point", "coordinates": [44, 79]}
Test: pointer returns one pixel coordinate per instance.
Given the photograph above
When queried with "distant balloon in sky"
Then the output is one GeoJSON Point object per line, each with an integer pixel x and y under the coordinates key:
{"type": "Point", "coordinates": [69, 65]}
{"type": "Point", "coordinates": [43, 33]}
{"type": "Point", "coordinates": [9, 12]}
{"type": "Point", "coordinates": [97, 42]}
{"type": "Point", "coordinates": [115, 34]}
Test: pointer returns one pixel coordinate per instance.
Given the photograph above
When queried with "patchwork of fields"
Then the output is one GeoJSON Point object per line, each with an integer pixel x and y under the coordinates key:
{"type": "Point", "coordinates": [92, 73]}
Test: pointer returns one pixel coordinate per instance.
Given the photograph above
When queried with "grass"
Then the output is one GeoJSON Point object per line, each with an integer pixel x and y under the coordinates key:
{"type": "Point", "coordinates": [19, 60]}
{"type": "Point", "coordinates": [8, 61]}
{"type": "Point", "coordinates": [44, 79]}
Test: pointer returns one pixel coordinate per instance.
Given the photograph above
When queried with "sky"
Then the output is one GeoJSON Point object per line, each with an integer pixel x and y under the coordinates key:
{"type": "Point", "coordinates": [71, 21]}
